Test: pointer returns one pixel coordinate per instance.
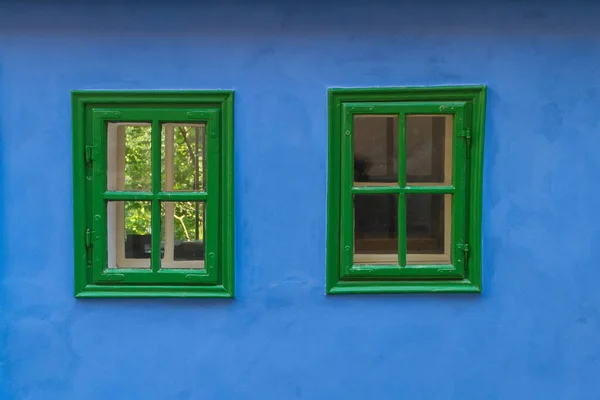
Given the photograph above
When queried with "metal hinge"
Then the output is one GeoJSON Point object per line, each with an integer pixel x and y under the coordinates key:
{"type": "Point", "coordinates": [88, 238]}
{"type": "Point", "coordinates": [89, 153]}
{"type": "Point", "coordinates": [349, 258]}
{"type": "Point", "coordinates": [88, 246]}
{"type": "Point", "coordinates": [466, 134]}
{"type": "Point", "coordinates": [465, 250]}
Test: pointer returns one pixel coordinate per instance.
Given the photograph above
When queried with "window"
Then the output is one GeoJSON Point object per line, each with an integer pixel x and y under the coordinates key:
{"type": "Point", "coordinates": [404, 197]}
{"type": "Point", "coordinates": [153, 194]}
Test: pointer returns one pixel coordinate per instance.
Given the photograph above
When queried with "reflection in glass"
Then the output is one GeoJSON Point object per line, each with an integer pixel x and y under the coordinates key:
{"type": "Point", "coordinates": [376, 228]}
{"type": "Point", "coordinates": [375, 148]}
{"type": "Point", "coordinates": [129, 156]}
{"type": "Point", "coordinates": [428, 227]}
{"type": "Point", "coordinates": [183, 157]}
{"type": "Point", "coordinates": [183, 234]}
{"type": "Point", "coordinates": [129, 234]}
{"type": "Point", "coordinates": [429, 149]}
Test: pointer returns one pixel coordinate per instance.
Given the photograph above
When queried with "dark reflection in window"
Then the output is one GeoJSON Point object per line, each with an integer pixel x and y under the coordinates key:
{"type": "Point", "coordinates": [375, 148]}
{"type": "Point", "coordinates": [376, 224]}
{"type": "Point", "coordinates": [426, 148]}
{"type": "Point", "coordinates": [425, 223]}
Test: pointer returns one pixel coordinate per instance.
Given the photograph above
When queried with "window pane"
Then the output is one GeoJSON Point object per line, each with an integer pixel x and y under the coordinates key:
{"type": "Point", "coordinates": [375, 148]}
{"type": "Point", "coordinates": [129, 234]}
{"type": "Point", "coordinates": [428, 228]}
{"type": "Point", "coordinates": [183, 234]}
{"type": "Point", "coordinates": [376, 229]}
{"type": "Point", "coordinates": [183, 157]}
{"type": "Point", "coordinates": [129, 157]}
{"type": "Point", "coordinates": [429, 149]}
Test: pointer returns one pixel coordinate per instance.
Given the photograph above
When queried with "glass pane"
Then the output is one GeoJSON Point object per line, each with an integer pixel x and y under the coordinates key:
{"type": "Point", "coordinates": [129, 156]}
{"type": "Point", "coordinates": [376, 229]}
{"type": "Point", "coordinates": [129, 234]}
{"type": "Point", "coordinates": [183, 157]}
{"type": "Point", "coordinates": [183, 234]}
{"type": "Point", "coordinates": [375, 148]}
{"type": "Point", "coordinates": [428, 228]}
{"type": "Point", "coordinates": [429, 149]}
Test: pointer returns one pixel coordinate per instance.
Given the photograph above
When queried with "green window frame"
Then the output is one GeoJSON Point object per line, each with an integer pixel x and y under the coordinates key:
{"type": "Point", "coordinates": [93, 112]}
{"type": "Point", "coordinates": [464, 106]}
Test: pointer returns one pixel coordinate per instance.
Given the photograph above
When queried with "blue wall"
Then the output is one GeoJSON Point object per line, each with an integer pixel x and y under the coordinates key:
{"type": "Point", "coordinates": [534, 333]}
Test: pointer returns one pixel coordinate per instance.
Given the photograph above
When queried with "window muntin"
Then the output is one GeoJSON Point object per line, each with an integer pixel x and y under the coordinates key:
{"type": "Point", "coordinates": [134, 271]}
{"type": "Point", "coordinates": [416, 154]}
{"type": "Point", "coordinates": [419, 117]}
{"type": "Point", "coordinates": [182, 169]}
{"type": "Point", "coordinates": [151, 205]}
{"type": "Point", "coordinates": [428, 162]}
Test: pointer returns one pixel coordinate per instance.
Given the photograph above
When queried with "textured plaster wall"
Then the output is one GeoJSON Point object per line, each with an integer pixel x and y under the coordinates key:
{"type": "Point", "coordinates": [534, 333]}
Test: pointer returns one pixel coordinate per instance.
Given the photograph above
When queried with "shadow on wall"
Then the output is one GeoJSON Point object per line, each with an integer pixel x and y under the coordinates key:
{"type": "Point", "coordinates": [114, 18]}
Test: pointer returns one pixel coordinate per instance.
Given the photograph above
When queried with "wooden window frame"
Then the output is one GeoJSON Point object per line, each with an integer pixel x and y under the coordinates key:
{"type": "Point", "coordinates": [92, 111]}
{"type": "Point", "coordinates": [116, 152]}
{"type": "Point", "coordinates": [463, 274]}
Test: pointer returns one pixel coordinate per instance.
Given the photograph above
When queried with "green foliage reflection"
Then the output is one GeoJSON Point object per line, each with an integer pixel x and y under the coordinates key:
{"type": "Point", "coordinates": [188, 175]}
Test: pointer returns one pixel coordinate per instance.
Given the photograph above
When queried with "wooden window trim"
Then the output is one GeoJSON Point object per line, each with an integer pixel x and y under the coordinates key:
{"type": "Point", "coordinates": [425, 278]}
{"type": "Point", "coordinates": [94, 107]}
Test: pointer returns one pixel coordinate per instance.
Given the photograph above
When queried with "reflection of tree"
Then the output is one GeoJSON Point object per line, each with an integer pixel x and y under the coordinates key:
{"type": "Point", "coordinates": [137, 158]}
{"type": "Point", "coordinates": [137, 217]}
{"type": "Point", "coordinates": [187, 175]}
{"type": "Point", "coordinates": [137, 177]}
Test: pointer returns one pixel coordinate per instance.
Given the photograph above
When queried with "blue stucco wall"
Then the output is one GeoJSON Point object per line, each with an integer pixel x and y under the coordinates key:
{"type": "Point", "coordinates": [534, 333]}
